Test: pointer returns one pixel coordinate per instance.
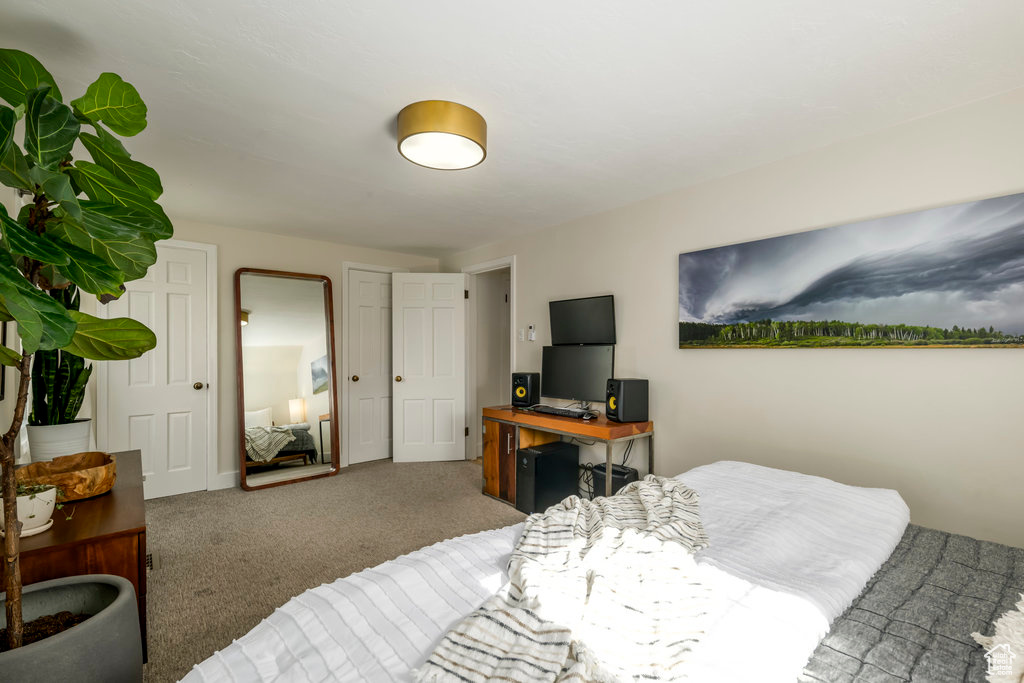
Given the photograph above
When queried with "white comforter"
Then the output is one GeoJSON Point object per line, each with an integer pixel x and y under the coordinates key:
{"type": "Point", "coordinates": [788, 553]}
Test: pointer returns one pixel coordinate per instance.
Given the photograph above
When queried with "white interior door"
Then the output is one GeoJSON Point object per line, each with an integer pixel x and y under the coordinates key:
{"type": "Point", "coordinates": [428, 361]}
{"type": "Point", "coordinates": [369, 366]}
{"type": "Point", "coordinates": [159, 403]}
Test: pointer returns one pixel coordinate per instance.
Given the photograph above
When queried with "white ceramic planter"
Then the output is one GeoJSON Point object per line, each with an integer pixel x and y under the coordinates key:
{"type": "Point", "coordinates": [34, 510]}
{"type": "Point", "coordinates": [47, 442]}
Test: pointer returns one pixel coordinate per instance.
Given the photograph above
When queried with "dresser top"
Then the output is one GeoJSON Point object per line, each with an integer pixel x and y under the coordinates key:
{"type": "Point", "coordinates": [119, 512]}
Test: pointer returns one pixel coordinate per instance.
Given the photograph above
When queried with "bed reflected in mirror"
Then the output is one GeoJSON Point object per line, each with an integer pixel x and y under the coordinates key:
{"type": "Point", "coordinates": [286, 387]}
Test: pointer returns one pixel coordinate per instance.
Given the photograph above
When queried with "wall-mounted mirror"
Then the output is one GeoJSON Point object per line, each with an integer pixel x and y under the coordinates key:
{"type": "Point", "coordinates": [287, 403]}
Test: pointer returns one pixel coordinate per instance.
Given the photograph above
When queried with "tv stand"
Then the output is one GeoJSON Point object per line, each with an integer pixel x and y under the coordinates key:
{"type": "Point", "coordinates": [507, 429]}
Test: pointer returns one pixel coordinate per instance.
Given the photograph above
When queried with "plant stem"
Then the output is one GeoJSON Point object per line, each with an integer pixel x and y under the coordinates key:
{"type": "Point", "coordinates": [8, 480]}
{"type": "Point", "coordinates": [12, 527]}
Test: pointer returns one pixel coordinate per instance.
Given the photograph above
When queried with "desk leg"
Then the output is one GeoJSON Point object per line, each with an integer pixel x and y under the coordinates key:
{"type": "Point", "coordinates": [321, 430]}
{"type": "Point", "coordinates": [650, 454]}
{"type": "Point", "coordinates": [608, 469]}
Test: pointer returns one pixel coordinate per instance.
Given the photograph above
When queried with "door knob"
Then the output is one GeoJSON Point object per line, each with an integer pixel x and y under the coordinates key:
{"type": "Point", "coordinates": [197, 386]}
{"type": "Point", "coordinates": [398, 378]}
{"type": "Point", "coordinates": [355, 378]}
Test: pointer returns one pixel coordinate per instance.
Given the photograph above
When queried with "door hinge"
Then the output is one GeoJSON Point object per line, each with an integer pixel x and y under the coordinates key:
{"type": "Point", "coordinates": [467, 293]}
{"type": "Point", "coordinates": [467, 431]}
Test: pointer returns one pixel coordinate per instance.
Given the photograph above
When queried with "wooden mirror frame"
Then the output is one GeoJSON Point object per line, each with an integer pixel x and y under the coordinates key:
{"type": "Point", "coordinates": [329, 320]}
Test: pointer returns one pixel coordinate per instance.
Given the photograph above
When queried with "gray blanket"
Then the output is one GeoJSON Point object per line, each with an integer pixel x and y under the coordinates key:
{"type": "Point", "coordinates": [914, 619]}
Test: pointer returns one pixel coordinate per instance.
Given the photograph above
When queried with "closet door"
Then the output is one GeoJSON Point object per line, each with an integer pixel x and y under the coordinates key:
{"type": "Point", "coordinates": [369, 366]}
{"type": "Point", "coordinates": [429, 366]}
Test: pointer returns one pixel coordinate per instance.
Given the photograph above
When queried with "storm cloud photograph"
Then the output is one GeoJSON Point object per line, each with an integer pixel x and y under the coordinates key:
{"type": "Point", "coordinates": [946, 277]}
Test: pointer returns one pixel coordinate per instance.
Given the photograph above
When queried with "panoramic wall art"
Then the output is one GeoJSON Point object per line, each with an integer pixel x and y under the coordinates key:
{"type": "Point", "coordinates": [946, 277]}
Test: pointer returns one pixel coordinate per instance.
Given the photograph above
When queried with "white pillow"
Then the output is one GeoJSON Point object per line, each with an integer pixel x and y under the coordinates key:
{"type": "Point", "coordinates": [259, 418]}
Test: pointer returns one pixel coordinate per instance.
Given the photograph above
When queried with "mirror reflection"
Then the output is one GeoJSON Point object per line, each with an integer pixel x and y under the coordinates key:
{"type": "Point", "coordinates": [286, 377]}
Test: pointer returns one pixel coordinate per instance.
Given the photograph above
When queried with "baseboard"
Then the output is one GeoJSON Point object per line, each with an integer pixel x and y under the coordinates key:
{"type": "Point", "coordinates": [223, 480]}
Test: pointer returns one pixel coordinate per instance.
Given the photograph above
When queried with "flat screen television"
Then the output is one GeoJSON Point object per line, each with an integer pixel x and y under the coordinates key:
{"type": "Point", "coordinates": [577, 373]}
{"type": "Point", "coordinates": [583, 321]}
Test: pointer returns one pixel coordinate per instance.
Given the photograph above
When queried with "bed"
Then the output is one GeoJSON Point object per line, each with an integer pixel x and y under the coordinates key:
{"type": "Point", "coordinates": [267, 444]}
{"type": "Point", "coordinates": [792, 554]}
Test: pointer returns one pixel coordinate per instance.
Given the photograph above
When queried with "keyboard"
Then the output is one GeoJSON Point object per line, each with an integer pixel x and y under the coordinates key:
{"type": "Point", "coordinates": [561, 412]}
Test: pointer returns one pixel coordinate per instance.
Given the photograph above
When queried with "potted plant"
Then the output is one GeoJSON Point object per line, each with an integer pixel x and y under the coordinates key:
{"type": "Point", "coordinates": [91, 224]}
{"type": "Point", "coordinates": [59, 379]}
{"type": "Point", "coordinates": [36, 503]}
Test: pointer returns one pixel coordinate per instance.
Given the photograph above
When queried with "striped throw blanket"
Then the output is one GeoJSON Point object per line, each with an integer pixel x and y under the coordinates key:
{"type": "Point", "coordinates": [262, 444]}
{"type": "Point", "coordinates": [601, 590]}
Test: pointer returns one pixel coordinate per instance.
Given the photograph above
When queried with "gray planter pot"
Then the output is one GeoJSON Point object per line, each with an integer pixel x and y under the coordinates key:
{"type": "Point", "coordinates": [106, 647]}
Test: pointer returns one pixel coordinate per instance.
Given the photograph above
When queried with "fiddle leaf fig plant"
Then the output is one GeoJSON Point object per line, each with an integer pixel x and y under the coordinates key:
{"type": "Point", "coordinates": [85, 226]}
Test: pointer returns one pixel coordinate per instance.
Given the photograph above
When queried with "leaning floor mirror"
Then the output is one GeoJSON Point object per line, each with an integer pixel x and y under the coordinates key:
{"type": "Point", "coordinates": [287, 399]}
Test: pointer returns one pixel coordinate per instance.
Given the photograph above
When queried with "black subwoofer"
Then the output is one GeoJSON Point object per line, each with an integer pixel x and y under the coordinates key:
{"type": "Point", "coordinates": [545, 475]}
{"type": "Point", "coordinates": [525, 389]}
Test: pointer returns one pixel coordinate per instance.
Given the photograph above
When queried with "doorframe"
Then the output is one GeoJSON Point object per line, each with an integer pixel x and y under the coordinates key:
{"type": "Point", "coordinates": [346, 268]}
{"type": "Point", "coordinates": [214, 478]}
{"type": "Point", "coordinates": [471, 330]}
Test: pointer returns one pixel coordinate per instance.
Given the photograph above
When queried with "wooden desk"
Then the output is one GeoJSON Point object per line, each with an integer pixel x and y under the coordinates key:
{"type": "Point", "coordinates": [106, 535]}
{"type": "Point", "coordinates": [507, 429]}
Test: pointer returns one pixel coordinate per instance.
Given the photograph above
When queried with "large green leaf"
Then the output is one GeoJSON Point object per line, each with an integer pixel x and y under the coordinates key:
{"type": "Point", "coordinates": [21, 240]}
{"type": "Point", "coordinates": [118, 244]}
{"type": "Point", "coordinates": [144, 223]}
{"type": "Point", "coordinates": [14, 169]}
{"type": "Point", "coordinates": [57, 188]}
{"type": "Point", "coordinates": [7, 121]}
{"type": "Point", "coordinates": [50, 128]}
{"type": "Point", "coordinates": [42, 322]}
{"type": "Point", "coordinates": [91, 273]}
{"type": "Point", "coordinates": [21, 72]}
{"type": "Point", "coordinates": [9, 357]}
{"type": "Point", "coordinates": [114, 339]}
{"type": "Point", "coordinates": [122, 166]}
{"type": "Point", "coordinates": [109, 141]}
{"type": "Point", "coordinates": [114, 102]}
{"type": "Point", "coordinates": [100, 185]}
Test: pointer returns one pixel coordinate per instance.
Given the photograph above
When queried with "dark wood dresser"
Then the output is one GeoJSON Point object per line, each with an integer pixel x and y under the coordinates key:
{"type": "Point", "coordinates": [106, 535]}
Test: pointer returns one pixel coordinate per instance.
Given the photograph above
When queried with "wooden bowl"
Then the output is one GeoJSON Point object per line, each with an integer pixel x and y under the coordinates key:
{"type": "Point", "coordinates": [79, 476]}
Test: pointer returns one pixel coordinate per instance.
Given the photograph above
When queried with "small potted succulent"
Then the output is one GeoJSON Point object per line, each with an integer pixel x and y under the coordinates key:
{"type": "Point", "coordinates": [36, 503]}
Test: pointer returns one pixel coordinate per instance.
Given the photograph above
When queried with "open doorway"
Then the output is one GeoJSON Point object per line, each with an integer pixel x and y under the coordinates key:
{"type": "Point", "coordinates": [489, 347]}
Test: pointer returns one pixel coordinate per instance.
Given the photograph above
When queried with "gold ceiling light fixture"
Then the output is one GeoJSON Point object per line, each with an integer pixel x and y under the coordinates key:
{"type": "Point", "coordinates": [442, 135]}
{"type": "Point", "coordinates": [244, 317]}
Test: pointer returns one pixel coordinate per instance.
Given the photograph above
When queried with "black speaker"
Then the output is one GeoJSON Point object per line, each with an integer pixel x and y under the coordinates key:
{"type": "Point", "coordinates": [545, 475]}
{"type": "Point", "coordinates": [626, 400]}
{"type": "Point", "coordinates": [525, 389]}
{"type": "Point", "coordinates": [621, 475]}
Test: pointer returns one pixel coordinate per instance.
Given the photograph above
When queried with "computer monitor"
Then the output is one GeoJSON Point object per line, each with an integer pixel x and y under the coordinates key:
{"type": "Point", "coordinates": [583, 321]}
{"type": "Point", "coordinates": [577, 373]}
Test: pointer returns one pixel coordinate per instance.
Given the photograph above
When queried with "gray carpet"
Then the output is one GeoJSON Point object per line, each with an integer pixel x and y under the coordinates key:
{"type": "Point", "coordinates": [226, 559]}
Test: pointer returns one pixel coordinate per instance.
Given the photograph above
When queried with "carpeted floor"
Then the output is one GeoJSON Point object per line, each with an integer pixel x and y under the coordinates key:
{"type": "Point", "coordinates": [226, 559]}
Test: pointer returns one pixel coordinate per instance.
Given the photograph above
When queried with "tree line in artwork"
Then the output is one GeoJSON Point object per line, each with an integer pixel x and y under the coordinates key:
{"type": "Point", "coordinates": [837, 333]}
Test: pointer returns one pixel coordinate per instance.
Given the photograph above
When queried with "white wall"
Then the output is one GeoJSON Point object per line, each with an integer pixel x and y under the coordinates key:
{"type": "Point", "coordinates": [271, 379]}
{"type": "Point", "coordinates": [942, 426]}
{"type": "Point", "coordinates": [239, 248]}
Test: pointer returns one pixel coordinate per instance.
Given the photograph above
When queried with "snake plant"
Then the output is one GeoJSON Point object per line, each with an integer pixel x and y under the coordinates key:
{"type": "Point", "coordinates": [59, 377]}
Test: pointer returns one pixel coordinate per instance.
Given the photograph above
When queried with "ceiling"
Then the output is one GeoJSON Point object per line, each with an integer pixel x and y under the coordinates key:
{"type": "Point", "coordinates": [279, 115]}
{"type": "Point", "coordinates": [283, 311]}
